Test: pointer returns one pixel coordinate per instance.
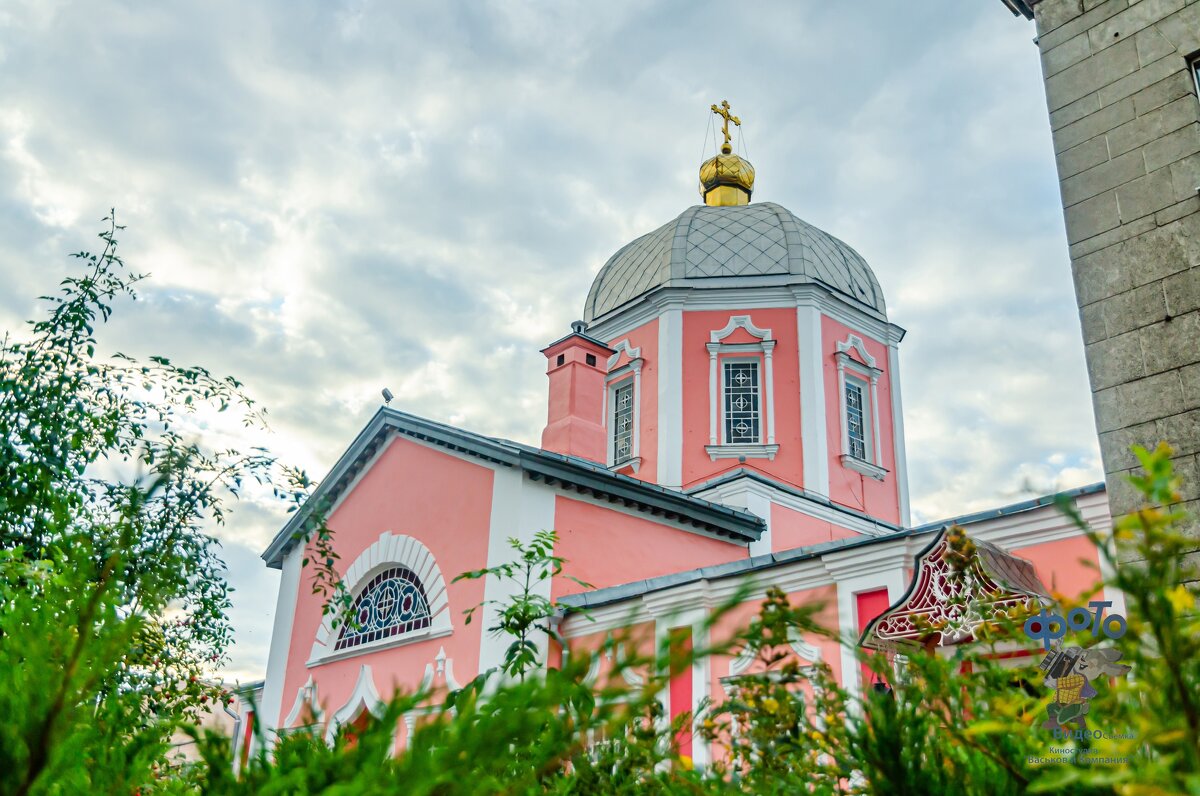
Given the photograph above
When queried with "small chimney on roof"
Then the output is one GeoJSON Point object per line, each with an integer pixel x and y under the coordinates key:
{"type": "Point", "coordinates": [576, 366]}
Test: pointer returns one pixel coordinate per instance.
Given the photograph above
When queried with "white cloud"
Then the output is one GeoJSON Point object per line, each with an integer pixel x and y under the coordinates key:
{"type": "Point", "coordinates": [338, 197]}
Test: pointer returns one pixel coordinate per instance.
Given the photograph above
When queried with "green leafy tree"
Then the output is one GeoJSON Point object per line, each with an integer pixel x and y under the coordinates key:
{"type": "Point", "coordinates": [526, 614]}
{"type": "Point", "coordinates": [113, 606]}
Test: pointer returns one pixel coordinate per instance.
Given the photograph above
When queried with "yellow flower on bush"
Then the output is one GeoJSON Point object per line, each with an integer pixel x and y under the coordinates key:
{"type": "Point", "coordinates": [1181, 599]}
{"type": "Point", "coordinates": [770, 705]}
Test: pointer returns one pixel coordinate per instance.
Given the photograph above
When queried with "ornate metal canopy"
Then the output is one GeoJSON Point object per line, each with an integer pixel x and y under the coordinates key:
{"type": "Point", "coordinates": [958, 584]}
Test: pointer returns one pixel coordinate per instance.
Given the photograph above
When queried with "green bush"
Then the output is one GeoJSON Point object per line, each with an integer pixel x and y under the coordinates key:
{"type": "Point", "coordinates": [113, 610]}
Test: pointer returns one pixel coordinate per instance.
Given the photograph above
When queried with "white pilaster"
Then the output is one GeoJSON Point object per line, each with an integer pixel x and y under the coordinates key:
{"type": "Point", "coordinates": [281, 639]}
{"type": "Point", "coordinates": [901, 469]}
{"type": "Point", "coordinates": [861, 576]}
{"type": "Point", "coordinates": [814, 437]}
{"type": "Point", "coordinates": [760, 504]}
{"type": "Point", "coordinates": [520, 508]}
{"type": "Point", "coordinates": [670, 397]}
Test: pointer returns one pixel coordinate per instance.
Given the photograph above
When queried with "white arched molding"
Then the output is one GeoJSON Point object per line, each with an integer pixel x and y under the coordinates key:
{"type": "Point", "coordinates": [717, 448]}
{"type": "Point", "coordinates": [809, 652]}
{"type": "Point", "coordinates": [306, 697]}
{"type": "Point", "coordinates": [865, 371]}
{"type": "Point", "coordinates": [615, 378]}
{"type": "Point", "coordinates": [744, 659]}
{"type": "Point", "coordinates": [388, 551]}
{"type": "Point", "coordinates": [364, 699]}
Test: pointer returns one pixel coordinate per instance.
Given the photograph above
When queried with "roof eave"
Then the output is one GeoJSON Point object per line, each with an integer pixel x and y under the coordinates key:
{"type": "Point", "coordinates": [736, 526]}
{"type": "Point", "coordinates": [1021, 7]}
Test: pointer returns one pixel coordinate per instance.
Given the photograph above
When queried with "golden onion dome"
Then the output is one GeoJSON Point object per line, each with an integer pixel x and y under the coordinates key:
{"type": "Point", "coordinates": [726, 180]}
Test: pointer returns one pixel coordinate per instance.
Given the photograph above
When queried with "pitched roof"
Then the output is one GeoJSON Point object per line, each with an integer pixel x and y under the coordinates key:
{"type": "Point", "coordinates": [748, 566]}
{"type": "Point", "coordinates": [570, 472]}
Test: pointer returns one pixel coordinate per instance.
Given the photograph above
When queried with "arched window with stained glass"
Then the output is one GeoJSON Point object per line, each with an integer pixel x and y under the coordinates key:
{"type": "Point", "coordinates": [400, 597]}
{"type": "Point", "coordinates": [393, 603]}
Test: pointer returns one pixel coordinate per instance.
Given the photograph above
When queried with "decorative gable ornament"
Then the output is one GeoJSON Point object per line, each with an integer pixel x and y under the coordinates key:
{"type": "Point", "coordinates": [958, 584]}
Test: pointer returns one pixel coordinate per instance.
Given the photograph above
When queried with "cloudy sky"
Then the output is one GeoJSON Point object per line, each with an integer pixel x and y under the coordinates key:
{"type": "Point", "coordinates": [337, 196]}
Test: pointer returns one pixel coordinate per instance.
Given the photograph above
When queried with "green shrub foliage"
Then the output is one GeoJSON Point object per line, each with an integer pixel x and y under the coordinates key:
{"type": "Point", "coordinates": [112, 611]}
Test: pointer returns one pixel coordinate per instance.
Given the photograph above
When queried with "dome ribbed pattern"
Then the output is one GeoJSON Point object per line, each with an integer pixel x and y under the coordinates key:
{"type": "Point", "coordinates": [763, 243]}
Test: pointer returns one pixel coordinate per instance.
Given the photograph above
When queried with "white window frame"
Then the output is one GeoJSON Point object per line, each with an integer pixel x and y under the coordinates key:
{"type": "Point", "coordinates": [866, 374]}
{"type": "Point", "coordinates": [720, 352]}
{"type": "Point", "coordinates": [868, 430]}
{"type": "Point", "coordinates": [629, 372]}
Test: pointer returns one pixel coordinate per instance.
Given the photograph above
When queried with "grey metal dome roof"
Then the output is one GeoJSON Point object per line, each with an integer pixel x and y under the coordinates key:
{"type": "Point", "coordinates": [762, 241]}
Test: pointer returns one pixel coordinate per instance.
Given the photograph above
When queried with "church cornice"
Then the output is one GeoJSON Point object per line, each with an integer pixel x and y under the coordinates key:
{"type": "Point", "coordinates": [715, 294]}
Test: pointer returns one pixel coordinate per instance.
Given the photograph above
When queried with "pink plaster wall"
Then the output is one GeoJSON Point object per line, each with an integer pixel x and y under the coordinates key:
{"type": "Point", "coordinates": [429, 495]}
{"type": "Point", "coordinates": [697, 326]}
{"type": "Point", "coordinates": [605, 547]}
{"type": "Point", "coordinates": [848, 487]}
{"type": "Point", "coordinates": [644, 337]}
{"type": "Point", "coordinates": [1067, 566]}
{"type": "Point", "coordinates": [791, 529]}
{"type": "Point", "coordinates": [739, 618]}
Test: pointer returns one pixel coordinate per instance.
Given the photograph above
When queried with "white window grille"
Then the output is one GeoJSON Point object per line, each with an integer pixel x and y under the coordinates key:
{"type": "Point", "coordinates": [741, 386]}
{"type": "Point", "coordinates": [856, 419]}
{"type": "Point", "coordinates": [741, 390]}
{"type": "Point", "coordinates": [622, 423]}
{"type": "Point", "coordinates": [622, 416]}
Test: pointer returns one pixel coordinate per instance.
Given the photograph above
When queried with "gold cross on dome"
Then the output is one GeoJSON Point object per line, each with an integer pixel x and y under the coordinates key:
{"type": "Point", "coordinates": [723, 112]}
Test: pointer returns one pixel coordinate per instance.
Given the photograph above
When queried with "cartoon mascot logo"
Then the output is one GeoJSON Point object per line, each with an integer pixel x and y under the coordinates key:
{"type": "Point", "coordinates": [1070, 673]}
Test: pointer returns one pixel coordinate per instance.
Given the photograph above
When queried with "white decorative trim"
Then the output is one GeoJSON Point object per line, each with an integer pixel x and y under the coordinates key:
{"type": "Point", "coordinates": [734, 493]}
{"type": "Point", "coordinates": [281, 639]}
{"type": "Point", "coordinates": [866, 468]}
{"type": "Point", "coordinates": [441, 668]}
{"type": "Point", "coordinates": [593, 672]}
{"type": "Point", "coordinates": [901, 464]}
{"type": "Point", "coordinates": [701, 693]}
{"type": "Point", "coordinates": [717, 294]}
{"type": "Point", "coordinates": [626, 348]}
{"type": "Point", "coordinates": [809, 652]}
{"type": "Point", "coordinates": [855, 343]}
{"type": "Point", "coordinates": [630, 677]}
{"type": "Point", "coordinates": [389, 550]}
{"type": "Point", "coordinates": [669, 471]}
{"type": "Point", "coordinates": [364, 698]}
{"type": "Point", "coordinates": [716, 386]}
{"type": "Point", "coordinates": [742, 661]}
{"type": "Point", "coordinates": [741, 450]}
{"type": "Point", "coordinates": [306, 696]}
{"type": "Point", "coordinates": [739, 322]}
{"type": "Point", "coordinates": [814, 432]}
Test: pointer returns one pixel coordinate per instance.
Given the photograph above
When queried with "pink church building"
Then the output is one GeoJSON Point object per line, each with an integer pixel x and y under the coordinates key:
{"type": "Point", "coordinates": [727, 411]}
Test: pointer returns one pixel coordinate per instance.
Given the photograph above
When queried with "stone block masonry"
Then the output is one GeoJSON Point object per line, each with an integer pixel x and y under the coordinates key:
{"type": "Point", "coordinates": [1121, 94]}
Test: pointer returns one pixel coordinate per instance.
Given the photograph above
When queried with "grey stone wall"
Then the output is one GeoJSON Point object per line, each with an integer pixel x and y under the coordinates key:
{"type": "Point", "coordinates": [1126, 128]}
